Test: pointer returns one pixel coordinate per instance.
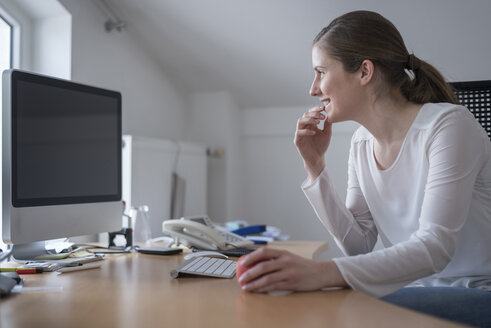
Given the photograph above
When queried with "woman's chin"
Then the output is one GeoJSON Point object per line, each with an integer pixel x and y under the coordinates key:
{"type": "Point", "coordinates": [335, 119]}
{"type": "Point", "coordinates": [332, 117]}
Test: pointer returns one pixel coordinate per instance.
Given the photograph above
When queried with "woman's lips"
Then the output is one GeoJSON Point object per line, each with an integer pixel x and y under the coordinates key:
{"type": "Point", "coordinates": [326, 101]}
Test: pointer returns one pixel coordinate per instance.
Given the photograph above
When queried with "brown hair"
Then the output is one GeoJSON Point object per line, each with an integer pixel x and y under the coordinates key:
{"type": "Point", "coordinates": [359, 35]}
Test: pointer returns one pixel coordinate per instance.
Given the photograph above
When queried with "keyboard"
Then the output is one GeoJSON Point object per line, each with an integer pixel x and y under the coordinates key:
{"type": "Point", "coordinates": [206, 266]}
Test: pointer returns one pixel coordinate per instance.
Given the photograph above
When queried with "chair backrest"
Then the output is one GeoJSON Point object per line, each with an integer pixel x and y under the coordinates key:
{"type": "Point", "coordinates": [476, 96]}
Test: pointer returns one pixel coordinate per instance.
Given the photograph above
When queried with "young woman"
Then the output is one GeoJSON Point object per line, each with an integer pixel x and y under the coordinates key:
{"type": "Point", "coordinates": [419, 178]}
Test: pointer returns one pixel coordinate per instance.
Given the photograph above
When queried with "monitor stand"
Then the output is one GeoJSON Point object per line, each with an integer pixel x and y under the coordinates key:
{"type": "Point", "coordinates": [29, 251]}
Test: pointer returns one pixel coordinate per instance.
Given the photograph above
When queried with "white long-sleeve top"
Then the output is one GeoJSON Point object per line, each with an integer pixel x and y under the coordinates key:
{"type": "Point", "coordinates": [431, 207]}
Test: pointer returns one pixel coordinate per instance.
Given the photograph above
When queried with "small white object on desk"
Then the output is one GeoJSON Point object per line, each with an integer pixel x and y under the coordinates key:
{"type": "Point", "coordinates": [205, 253]}
{"type": "Point", "coordinates": [86, 266]}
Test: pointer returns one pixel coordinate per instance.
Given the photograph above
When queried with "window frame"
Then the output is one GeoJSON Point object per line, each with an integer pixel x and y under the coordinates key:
{"type": "Point", "coordinates": [14, 61]}
{"type": "Point", "coordinates": [11, 57]}
{"type": "Point", "coordinates": [21, 34]}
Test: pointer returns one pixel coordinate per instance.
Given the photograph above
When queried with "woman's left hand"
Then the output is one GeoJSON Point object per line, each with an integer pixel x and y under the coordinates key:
{"type": "Point", "coordinates": [282, 270]}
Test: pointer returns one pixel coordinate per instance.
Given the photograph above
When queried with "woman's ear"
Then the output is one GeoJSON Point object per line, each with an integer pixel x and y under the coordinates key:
{"type": "Point", "coordinates": [366, 71]}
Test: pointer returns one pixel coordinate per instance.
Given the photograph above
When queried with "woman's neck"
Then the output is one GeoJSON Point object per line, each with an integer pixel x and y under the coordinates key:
{"type": "Point", "coordinates": [390, 118]}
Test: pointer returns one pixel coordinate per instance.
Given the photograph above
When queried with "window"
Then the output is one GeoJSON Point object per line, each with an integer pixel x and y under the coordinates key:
{"type": "Point", "coordinates": [5, 63]}
{"type": "Point", "coordinates": [5, 45]}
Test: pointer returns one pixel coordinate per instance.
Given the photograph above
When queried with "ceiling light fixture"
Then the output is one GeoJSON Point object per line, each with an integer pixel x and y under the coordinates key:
{"type": "Point", "coordinates": [113, 22]}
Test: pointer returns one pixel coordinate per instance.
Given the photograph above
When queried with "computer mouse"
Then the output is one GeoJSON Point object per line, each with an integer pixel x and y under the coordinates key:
{"type": "Point", "coordinates": [205, 253]}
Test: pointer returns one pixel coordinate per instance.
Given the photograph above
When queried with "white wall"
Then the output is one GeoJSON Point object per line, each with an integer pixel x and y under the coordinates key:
{"type": "Point", "coordinates": [151, 104]}
{"type": "Point", "coordinates": [51, 46]}
{"type": "Point", "coordinates": [214, 121]}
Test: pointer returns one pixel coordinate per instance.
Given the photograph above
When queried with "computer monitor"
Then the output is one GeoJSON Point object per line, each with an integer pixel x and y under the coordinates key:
{"type": "Point", "coordinates": [61, 166]}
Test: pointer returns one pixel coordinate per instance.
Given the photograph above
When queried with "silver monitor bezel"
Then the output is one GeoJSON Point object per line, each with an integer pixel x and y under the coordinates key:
{"type": "Point", "coordinates": [35, 223]}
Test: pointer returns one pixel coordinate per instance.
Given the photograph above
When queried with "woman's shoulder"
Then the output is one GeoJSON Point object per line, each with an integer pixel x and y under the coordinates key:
{"type": "Point", "coordinates": [431, 118]}
{"type": "Point", "coordinates": [361, 135]}
{"type": "Point", "coordinates": [435, 118]}
{"type": "Point", "coordinates": [433, 114]}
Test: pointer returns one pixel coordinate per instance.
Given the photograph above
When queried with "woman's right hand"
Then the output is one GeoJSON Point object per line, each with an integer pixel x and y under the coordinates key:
{"type": "Point", "coordinates": [312, 142]}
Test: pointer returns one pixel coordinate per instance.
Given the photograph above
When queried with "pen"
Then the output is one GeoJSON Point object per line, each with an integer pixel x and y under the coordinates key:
{"type": "Point", "coordinates": [8, 269]}
{"type": "Point", "coordinates": [22, 270]}
{"type": "Point", "coordinates": [79, 268]}
{"type": "Point", "coordinates": [29, 270]}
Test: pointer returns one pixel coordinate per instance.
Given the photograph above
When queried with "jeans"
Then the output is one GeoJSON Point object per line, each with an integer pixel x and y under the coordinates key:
{"type": "Point", "coordinates": [469, 306]}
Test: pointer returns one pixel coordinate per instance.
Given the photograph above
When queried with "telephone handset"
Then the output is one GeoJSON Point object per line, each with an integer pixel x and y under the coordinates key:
{"type": "Point", "coordinates": [200, 232]}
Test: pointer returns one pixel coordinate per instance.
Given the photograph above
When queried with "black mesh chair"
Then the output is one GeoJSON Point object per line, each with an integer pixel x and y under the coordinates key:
{"type": "Point", "coordinates": [476, 96]}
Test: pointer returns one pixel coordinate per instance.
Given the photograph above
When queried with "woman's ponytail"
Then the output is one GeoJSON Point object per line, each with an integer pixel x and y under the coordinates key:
{"type": "Point", "coordinates": [423, 83]}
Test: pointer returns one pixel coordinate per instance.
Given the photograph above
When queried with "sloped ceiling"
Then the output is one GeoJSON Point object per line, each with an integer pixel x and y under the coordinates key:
{"type": "Point", "coordinates": [257, 50]}
{"type": "Point", "coordinates": [260, 50]}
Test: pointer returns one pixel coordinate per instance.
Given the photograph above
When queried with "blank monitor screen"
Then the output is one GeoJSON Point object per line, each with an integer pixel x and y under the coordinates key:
{"type": "Point", "coordinates": [64, 144]}
{"type": "Point", "coordinates": [61, 158]}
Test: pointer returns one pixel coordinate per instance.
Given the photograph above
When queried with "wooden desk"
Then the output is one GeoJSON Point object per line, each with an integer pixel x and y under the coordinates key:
{"type": "Point", "coordinates": [136, 290]}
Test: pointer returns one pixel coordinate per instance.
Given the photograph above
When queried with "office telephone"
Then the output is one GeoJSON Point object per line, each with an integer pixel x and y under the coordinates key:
{"type": "Point", "coordinates": [200, 232]}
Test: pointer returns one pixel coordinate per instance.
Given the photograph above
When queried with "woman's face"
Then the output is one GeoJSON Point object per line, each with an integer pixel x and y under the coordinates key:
{"type": "Point", "coordinates": [337, 89]}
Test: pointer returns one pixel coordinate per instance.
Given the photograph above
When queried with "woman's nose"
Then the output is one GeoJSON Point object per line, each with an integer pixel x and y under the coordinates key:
{"type": "Point", "coordinates": [314, 89]}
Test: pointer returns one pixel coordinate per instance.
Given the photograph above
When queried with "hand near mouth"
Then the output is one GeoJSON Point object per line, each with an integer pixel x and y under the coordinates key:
{"type": "Point", "coordinates": [312, 142]}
